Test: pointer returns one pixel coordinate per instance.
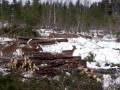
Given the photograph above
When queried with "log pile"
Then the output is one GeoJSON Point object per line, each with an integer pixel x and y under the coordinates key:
{"type": "Point", "coordinates": [64, 35]}
{"type": "Point", "coordinates": [50, 56]}
{"type": "Point", "coordinates": [44, 63]}
{"type": "Point", "coordinates": [50, 72]}
{"type": "Point", "coordinates": [85, 36]}
{"type": "Point", "coordinates": [43, 41]}
{"type": "Point", "coordinates": [50, 65]}
{"type": "Point", "coordinates": [4, 61]}
{"type": "Point", "coordinates": [53, 68]}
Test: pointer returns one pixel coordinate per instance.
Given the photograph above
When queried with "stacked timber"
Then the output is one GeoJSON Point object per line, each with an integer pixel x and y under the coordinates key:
{"type": "Point", "coordinates": [47, 71]}
{"type": "Point", "coordinates": [44, 41]}
{"type": "Point", "coordinates": [85, 36]}
{"type": "Point", "coordinates": [49, 62]}
{"type": "Point", "coordinates": [52, 66]}
{"type": "Point", "coordinates": [63, 35]}
{"type": "Point", "coordinates": [50, 56]}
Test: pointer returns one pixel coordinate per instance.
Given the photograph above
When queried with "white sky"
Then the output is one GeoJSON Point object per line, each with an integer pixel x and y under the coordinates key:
{"type": "Point", "coordinates": [91, 1]}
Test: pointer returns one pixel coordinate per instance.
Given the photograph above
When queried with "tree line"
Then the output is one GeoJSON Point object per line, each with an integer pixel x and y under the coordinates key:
{"type": "Point", "coordinates": [55, 14]}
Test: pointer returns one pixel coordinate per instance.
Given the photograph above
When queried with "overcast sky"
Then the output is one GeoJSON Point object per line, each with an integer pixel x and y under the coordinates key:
{"type": "Point", "coordinates": [74, 1]}
{"type": "Point", "coordinates": [91, 1]}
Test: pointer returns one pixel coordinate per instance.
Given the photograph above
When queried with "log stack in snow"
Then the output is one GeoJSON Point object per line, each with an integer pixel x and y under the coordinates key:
{"type": "Point", "coordinates": [43, 41]}
{"type": "Point", "coordinates": [50, 56]}
{"type": "Point", "coordinates": [63, 35]}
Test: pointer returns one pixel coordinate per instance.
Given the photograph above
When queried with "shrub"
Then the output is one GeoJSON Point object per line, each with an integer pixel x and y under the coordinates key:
{"type": "Point", "coordinates": [74, 82]}
{"type": "Point", "coordinates": [90, 57]}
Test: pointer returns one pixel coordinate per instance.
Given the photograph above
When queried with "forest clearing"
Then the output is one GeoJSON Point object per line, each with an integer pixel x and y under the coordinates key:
{"type": "Point", "coordinates": [59, 45]}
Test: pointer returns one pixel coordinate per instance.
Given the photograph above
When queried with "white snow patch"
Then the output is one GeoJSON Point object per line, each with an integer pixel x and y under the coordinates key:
{"type": "Point", "coordinates": [110, 83]}
{"type": "Point", "coordinates": [104, 51]}
{"type": "Point", "coordinates": [3, 71]}
{"type": "Point", "coordinates": [106, 81]}
{"type": "Point", "coordinates": [107, 55]}
{"type": "Point", "coordinates": [57, 48]}
{"type": "Point", "coordinates": [28, 74]}
{"type": "Point", "coordinates": [93, 65]}
{"type": "Point", "coordinates": [43, 65]}
{"type": "Point", "coordinates": [68, 74]}
{"type": "Point", "coordinates": [18, 52]}
{"type": "Point", "coordinates": [45, 32]}
{"type": "Point", "coordinates": [4, 39]}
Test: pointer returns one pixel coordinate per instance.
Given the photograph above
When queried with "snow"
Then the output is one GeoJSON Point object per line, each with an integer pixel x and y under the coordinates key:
{"type": "Point", "coordinates": [4, 39]}
{"type": "Point", "coordinates": [18, 52]}
{"type": "Point", "coordinates": [44, 32]}
{"type": "Point", "coordinates": [3, 71]}
{"type": "Point", "coordinates": [43, 65]}
{"type": "Point", "coordinates": [93, 65]}
{"type": "Point", "coordinates": [107, 55]}
{"type": "Point", "coordinates": [57, 48]}
{"type": "Point", "coordinates": [106, 81]}
{"type": "Point", "coordinates": [82, 52]}
{"type": "Point", "coordinates": [110, 83]}
{"type": "Point", "coordinates": [107, 44]}
{"type": "Point", "coordinates": [28, 74]}
{"type": "Point", "coordinates": [68, 74]}
{"type": "Point", "coordinates": [103, 50]}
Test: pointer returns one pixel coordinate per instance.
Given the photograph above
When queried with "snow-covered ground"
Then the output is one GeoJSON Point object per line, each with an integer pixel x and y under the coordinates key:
{"type": "Point", "coordinates": [5, 39]}
{"type": "Point", "coordinates": [103, 50]}
{"type": "Point", "coordinates": [110, 83]}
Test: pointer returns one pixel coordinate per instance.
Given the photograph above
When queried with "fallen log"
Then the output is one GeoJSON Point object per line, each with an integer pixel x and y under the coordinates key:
{"type": "Point", "coordinates": [43, 41]}
{"type": "Point", "coordinates": [50, 69]}
{"type": "Point", "coordinates": [116, 49]}
{"type": "Point", "coordinates": [49, 56]}
{"type": "Point", "coordinates": [61, 62]}
{"type": "Point", "coordinates": [4, 59]}
{"type": "Point", "coordinates": [85, 36]}
{"type": "Point", "coordinates": [57, 64]}
{"type": "Point", "coordinates": [107, 71]}
{"type": "Point", "coordinates": [47, 71]}
{"type": "Point", "coordinates": [64, 35]}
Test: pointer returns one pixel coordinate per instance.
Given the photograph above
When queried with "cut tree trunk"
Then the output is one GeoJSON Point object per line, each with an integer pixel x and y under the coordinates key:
{"type": "Point", "coordinates": [44, 41]}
